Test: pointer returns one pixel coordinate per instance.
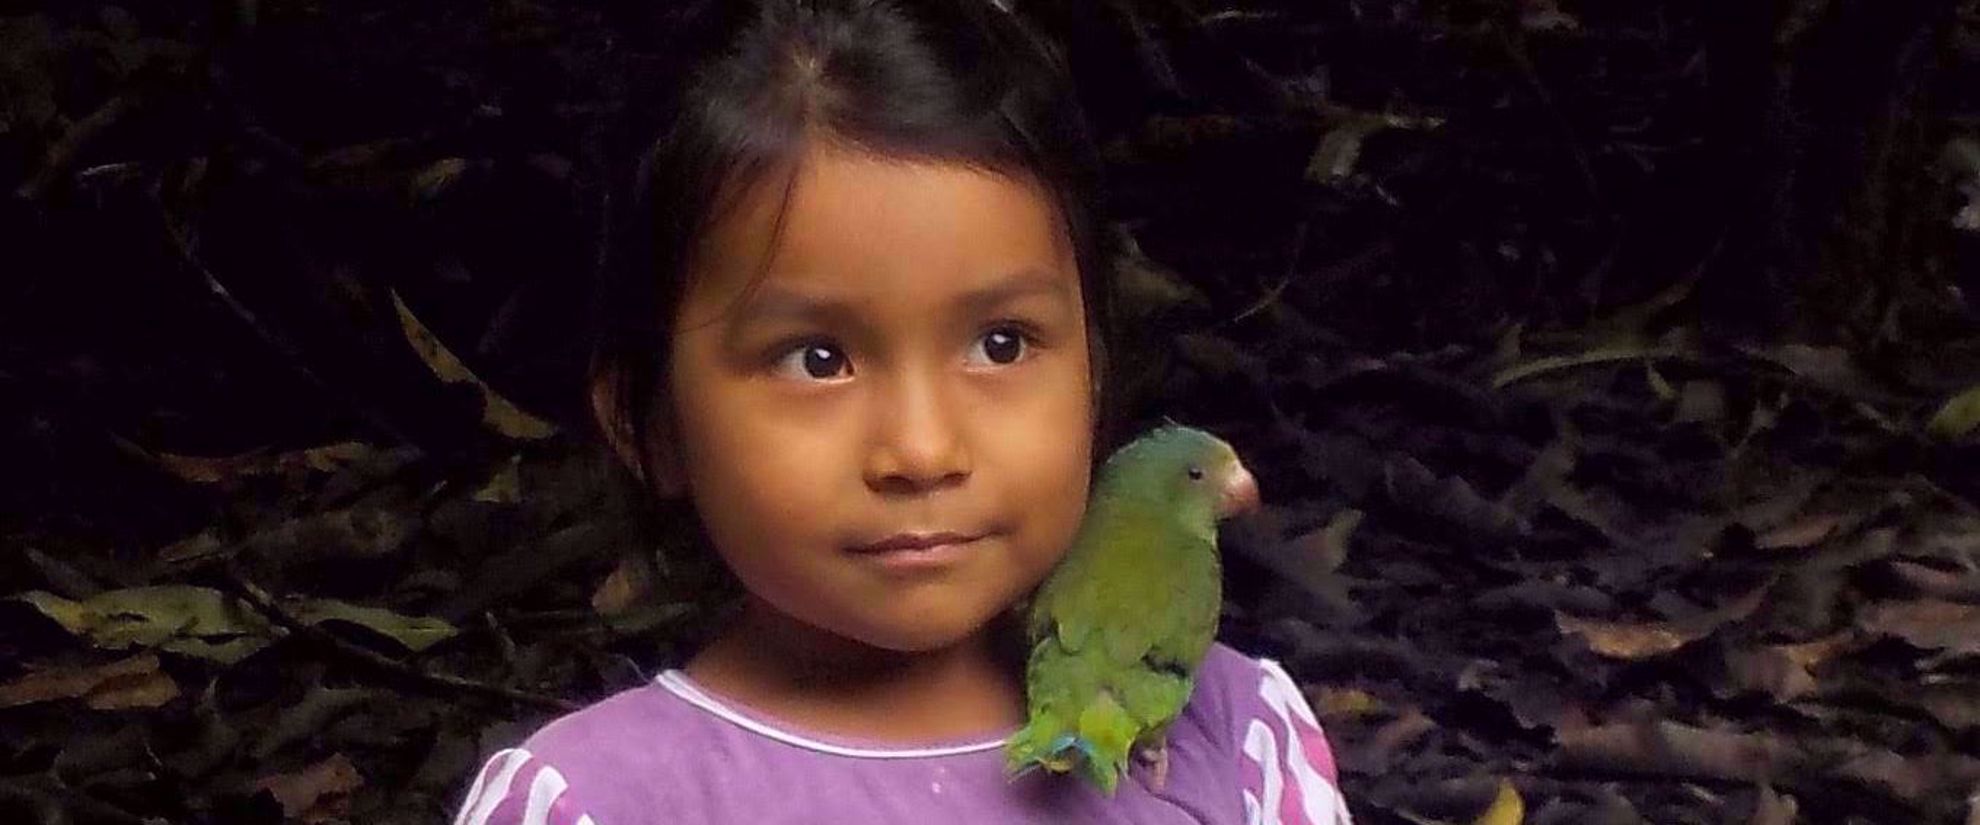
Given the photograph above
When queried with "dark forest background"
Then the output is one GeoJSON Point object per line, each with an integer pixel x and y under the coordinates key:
{"type": "Point", "coordinates": [1611, 370]}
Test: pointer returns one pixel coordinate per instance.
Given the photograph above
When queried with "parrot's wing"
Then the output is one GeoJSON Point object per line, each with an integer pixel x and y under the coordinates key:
{"type": "Point", "coordinates": [1147, 600]}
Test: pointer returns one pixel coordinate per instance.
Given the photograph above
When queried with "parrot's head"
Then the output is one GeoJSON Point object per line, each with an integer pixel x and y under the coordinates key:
{"type": "Point", "coordinates": [1198, 473]}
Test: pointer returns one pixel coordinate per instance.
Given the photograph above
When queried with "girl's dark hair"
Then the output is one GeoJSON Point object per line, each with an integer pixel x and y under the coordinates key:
{"type": "Point", "coordinates": [751, 82]}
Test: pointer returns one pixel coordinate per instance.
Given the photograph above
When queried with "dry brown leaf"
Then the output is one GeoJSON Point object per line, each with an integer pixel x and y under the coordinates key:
{"type": "Point", "coordinates": [1344, 702]}
{"type": "Point", "coordinates": [1774, 808]}
{"type": "Point", "coordinates": [1624, 641]}
{"type": "Point", "coordinates": [505, 486]}
{"type": "Point", "coordinates": [1545, 15]}
{"type": "Point", "coordinates": [1927, 778]}
{"type": "Point", "coordinates": [149, 689]}
{"type": "Point", "coordinates": [498, 414]}
{"type": "Point", "coordinates": [1955, 704]}
{"type": "Point", "coordinates": [1802, 533]}
{"type": "Point", "coordinates": [358, 532]}
{"type": "Point", "coordinates": [436, 178]}
{"type": "Point", "coordinates": [1812, 654]}
{"type": "Point", "coordinates": [1662, 748]}
{"type": "Point", "coordinates": [1927, 580]}
{"type": "Point", "coordinates": [328, 458]}
{"type": "Point", "coordinates": [1395, 736]}
{"type": "Point", "coordinates": [318, 793]}
{"type": "Point", "coordinates": [1326, 547]}
{"type": "Point", "coordinates": [1632, 642]}
{"type": "Point", "coordinates": [72, 682]}
{"type": "Point", "coordinates": [1929, 624]}
{"type": "Point", "coordinates": [628, 585]}
{"type": "Point", "coordinates": [1771, 670]}
{"type": "Point", "coordinates": [1670, 749]}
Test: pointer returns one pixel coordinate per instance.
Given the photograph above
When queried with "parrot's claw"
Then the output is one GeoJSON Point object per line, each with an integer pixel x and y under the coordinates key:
{"type": "Point", "coordinates": [1157, 756]}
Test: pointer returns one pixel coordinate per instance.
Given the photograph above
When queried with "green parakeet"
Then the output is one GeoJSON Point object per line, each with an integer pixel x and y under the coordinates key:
{"type": "Point", "coordinates": [1120, 626]}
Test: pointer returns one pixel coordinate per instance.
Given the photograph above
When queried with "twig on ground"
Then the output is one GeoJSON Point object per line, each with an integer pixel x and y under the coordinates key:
{"type": "Point", "coordinates": [261, 601]}
{"type": "Point", "coordinates": [1292, 270]}
{"type": "Point", "coordinates": [63, 154]}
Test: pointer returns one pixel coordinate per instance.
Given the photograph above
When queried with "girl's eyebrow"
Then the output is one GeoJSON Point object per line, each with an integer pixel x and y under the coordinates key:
{"type": "Point", "coordinates": [776, 302]}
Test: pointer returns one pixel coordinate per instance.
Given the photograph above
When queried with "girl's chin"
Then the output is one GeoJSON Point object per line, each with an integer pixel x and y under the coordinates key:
{"type": "Point", "coordinates": [915, 640]}
{"type": "Point", "coordinates": [920, 635]}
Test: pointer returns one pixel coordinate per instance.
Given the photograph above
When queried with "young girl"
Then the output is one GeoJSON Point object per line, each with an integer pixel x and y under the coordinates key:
{"type": "Point", "coordinates": [862, 330]}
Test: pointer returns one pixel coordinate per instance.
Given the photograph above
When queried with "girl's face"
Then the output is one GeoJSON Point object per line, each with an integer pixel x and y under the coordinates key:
{"type": "Point", "coordinates": [913, 361]}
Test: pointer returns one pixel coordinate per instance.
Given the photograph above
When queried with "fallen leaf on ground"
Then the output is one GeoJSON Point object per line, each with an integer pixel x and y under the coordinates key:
{"type": "Point", "coordinates": [146, 689]}
{"type": "Point", "coordinates": [417, 633]}
{"type": "Point", "coordinates": [195, 621]}
{"type": "Point", "coordinates": [318, 793]}
{"type": "Point", "coordinates": [1771, 670]}
{"type": "Point", "coordinates": [125, 683]}
{"type": "Point", "coordinates": [1805, 532]}
{"type": "Point", "coordinates": [1812, 654]}
{"type": "Point", "coordinates": [1507, 808]}
{"type": "Point", "coordinates": [1959, 416]}
{"type": "Point", "coordinates": [328, 458]}
{"type": "Point", "coordinates": [1618, 640]}
{"type": "Point", "coordinates": [498, 414]}
{"type": "Point", "coordinates": [1929, 624]}
{"type": "Point", "coordinates": [1395, 737]}
{"type": "Point", "coordinates": [1774, 808]}
{"type": "Point", "coordinates": [1345, 702]}
{"type": "Point", "coordinates": [203, 622]}
{"type": "Point", "coordinates": [1664, 748]}
{"type": "Point", "coordinates": [1931, 580]}
{"type": "Point", "coordinates": [1955, 704]}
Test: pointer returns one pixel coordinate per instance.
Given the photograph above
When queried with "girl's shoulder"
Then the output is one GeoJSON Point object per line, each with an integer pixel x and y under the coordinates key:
{"type": "Point", "coordinates": [578, 769]}
{"type": "Point", "coordinates": [1285, 764]}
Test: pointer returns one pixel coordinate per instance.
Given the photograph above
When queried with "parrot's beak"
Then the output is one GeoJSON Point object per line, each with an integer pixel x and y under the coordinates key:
{"type": "Point", "coordinates": [1240, 494]}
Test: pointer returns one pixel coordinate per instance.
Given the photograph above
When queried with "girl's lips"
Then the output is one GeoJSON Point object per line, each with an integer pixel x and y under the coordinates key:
{"type": "Point", "coordinates": [913, 541]}
{"type": "Point", "coordinates": [920, 555]}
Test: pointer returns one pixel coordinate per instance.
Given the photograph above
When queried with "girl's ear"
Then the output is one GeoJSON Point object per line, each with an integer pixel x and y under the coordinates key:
{"type": "Point", "coordinates": [606, 385]}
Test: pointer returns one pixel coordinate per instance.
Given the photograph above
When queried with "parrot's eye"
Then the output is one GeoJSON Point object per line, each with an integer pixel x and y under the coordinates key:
{"type": "Point", "coordinates": [1196, 474]}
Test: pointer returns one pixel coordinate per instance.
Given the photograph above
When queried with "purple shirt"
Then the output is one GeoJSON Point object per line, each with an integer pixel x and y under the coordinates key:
{"type": "Point", "coordinates": [1247, 749]}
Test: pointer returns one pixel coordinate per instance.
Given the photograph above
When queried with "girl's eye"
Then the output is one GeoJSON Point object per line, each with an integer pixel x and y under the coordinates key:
{"type": "Point", "coordinates": [819, 360]}
{"type": "Point", "coordinates": [1003, 344]}
{"type": "Point", "coordinates": [815, 359]}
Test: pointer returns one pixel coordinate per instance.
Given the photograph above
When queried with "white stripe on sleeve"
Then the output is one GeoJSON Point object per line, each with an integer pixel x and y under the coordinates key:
{"type": "Point", "coordinates": [491, 786]}
{"type": "Point", "coordinates": [543, 792]}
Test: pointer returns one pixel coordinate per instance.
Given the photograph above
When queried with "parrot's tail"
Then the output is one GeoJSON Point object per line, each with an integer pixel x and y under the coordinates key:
{"type": "Point", "coordinates": [1096, 743]}
{"type": "Point", "coordinates": [1047, 742]}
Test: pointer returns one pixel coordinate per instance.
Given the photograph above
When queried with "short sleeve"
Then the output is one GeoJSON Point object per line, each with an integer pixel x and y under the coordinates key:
{"type": "Point", "coordinates": [516, 788]}
{"type": "Point", "coordinates": [1287, 768]}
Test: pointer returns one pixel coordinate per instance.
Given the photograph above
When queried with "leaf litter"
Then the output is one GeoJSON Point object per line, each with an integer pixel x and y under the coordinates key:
{"type": "Point", "coordinates": [1603, 574]}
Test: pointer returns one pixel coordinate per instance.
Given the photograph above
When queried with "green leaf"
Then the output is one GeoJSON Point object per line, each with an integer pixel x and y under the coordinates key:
{"type": "Point", "coordinates": [195, 621]}
{"type": "Point", "coordinates": [497, 413]}
{"type": "Point", "coordinates": [436, 179]}
{"type": "Point", "coordinates": [1958, 418]}
{"type": "Point", "coordinates": [1507, 807]}
{"type": "Point", "coordinates": [1603, 355]}
{"type": "Point", "coordinates": [505, 486]}
{"type": "Point", "coordinates": [209, 624]}
{"type": "Point", "coordinates": [1340, 147]}
{"type": "Point", "coordinates": [417, 633]}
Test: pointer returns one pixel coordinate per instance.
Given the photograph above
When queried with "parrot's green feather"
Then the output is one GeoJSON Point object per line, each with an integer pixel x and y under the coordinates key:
{"type": "Point", "coordinates": [1121, 625]}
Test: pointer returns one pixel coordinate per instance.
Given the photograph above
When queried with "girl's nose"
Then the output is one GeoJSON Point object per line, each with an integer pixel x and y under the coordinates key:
{"type": "Point", "coordinates": [918, 440]}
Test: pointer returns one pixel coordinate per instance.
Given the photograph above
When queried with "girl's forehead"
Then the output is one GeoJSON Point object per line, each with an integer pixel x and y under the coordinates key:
{"type": "Point", "coordinates": [837, 215]}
